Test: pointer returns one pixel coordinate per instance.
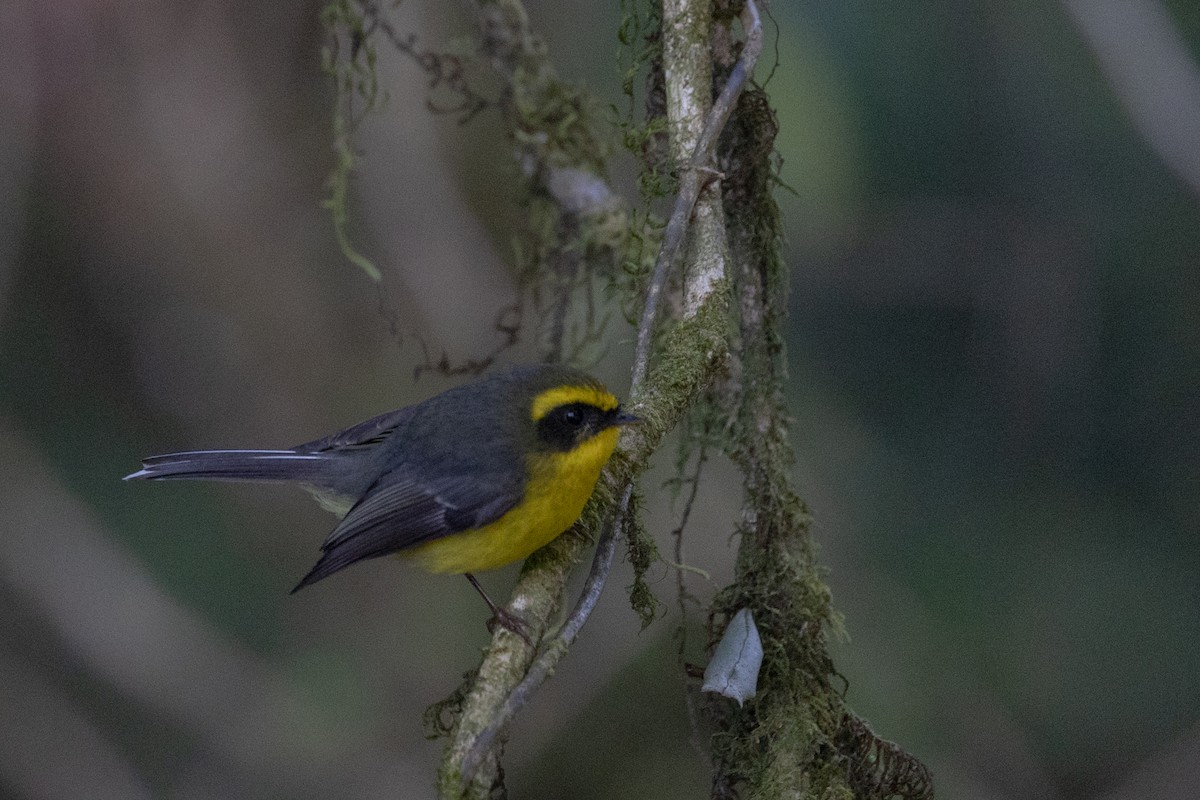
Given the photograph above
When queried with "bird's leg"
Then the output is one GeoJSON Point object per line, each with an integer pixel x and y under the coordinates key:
{"type": "Point", "coordinates": [502, 617]}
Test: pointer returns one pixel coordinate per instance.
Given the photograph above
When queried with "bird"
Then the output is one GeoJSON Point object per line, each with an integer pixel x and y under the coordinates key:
{"type": "Point", "coordinates": [468, 480]}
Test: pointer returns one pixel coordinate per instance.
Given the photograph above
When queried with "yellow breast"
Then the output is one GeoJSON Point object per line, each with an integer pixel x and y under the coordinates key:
{"type": "Point", "coordinates": [559, 486]}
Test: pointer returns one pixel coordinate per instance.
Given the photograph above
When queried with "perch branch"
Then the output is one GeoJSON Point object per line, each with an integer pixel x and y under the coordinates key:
{"type": "Point", "coordinates": [701, 286]}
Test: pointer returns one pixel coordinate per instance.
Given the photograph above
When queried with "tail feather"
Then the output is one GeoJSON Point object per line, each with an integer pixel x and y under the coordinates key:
{"type": "Point", "coordinates": [235, 465]}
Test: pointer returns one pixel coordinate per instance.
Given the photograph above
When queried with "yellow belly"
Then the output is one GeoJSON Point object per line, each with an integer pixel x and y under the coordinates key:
{"type": "Point", "coordinates": [559, 486]}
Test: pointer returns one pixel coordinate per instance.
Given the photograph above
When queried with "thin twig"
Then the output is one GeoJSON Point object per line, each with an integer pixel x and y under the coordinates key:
{"type": "Point", "coordinates": [676, 229]}
{"type": "Point", "coordinates": [682, 596]}
{"type": "Point", "coordinates": [443, 69]}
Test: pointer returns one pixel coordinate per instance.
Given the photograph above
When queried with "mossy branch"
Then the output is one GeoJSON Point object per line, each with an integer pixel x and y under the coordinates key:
{"type": "Point", "coordinates": [796, 738]}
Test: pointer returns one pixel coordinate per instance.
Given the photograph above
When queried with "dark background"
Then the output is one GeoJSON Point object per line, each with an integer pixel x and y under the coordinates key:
{"type": "Point", "coordinates": [995, 361]}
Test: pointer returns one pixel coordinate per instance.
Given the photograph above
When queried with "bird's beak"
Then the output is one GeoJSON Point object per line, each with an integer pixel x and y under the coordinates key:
{"type": "Point", "coordinates": [624, 418]}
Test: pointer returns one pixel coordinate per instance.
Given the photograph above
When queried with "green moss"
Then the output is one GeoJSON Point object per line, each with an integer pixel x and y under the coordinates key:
{"type": "Point", "coordinates": [348, 58]}
{"type": "Point", "coordinates": [440, 718]}
{"type": "Point", "coordinates": [642, 553]}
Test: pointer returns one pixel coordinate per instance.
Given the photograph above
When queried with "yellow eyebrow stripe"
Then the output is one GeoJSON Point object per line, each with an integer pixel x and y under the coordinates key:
{"type": "Point", "coordinates": [551, 399]}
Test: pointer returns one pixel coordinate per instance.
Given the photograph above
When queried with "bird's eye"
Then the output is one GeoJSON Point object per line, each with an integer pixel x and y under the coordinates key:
{"type": "Point", "coordinates": [568, 425]}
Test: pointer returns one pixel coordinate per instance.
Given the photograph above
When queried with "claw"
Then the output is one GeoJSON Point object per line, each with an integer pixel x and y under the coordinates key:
{"type": "Point", "coordinates": [511, 623]}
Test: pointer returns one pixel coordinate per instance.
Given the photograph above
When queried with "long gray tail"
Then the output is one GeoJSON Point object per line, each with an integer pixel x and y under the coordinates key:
{"type": "Point", "coordinates": [236, 465]}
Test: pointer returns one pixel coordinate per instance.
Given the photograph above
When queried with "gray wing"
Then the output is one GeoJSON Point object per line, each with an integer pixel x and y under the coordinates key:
{"type": "Point", "coordinates": [401, 510]}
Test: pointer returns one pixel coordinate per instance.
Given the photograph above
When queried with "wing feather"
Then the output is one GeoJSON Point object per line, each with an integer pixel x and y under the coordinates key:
{"type": "Point", "coordinates": [401, 511]}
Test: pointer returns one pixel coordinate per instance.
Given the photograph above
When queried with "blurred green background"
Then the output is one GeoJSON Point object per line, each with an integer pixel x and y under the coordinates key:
{"type": "Point", "coordinates": [995, 361]}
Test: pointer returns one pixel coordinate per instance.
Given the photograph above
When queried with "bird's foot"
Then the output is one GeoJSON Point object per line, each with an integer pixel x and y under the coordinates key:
{"type": "Point", "coordinates": [505, 619]}
{"type": "Point", "coordinates": [511, 623]}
